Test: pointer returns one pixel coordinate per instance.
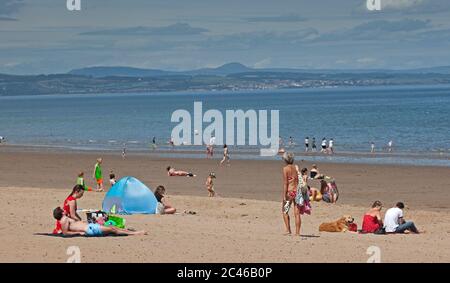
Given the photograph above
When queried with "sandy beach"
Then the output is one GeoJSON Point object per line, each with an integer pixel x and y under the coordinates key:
{"type": "Point", "coordinates": [243, 224]}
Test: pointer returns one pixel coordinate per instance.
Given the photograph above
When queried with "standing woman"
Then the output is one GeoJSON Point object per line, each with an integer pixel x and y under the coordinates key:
{"type": "Point", "coordinates": [290, 183]}
{"type": "Point", "coordinates": [226, 155]}
{"type": "Point", "coordinates": [98, 175]}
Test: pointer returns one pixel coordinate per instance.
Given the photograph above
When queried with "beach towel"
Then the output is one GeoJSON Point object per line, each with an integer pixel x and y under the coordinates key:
{"type": "Point", "coordinates": [76, 236]}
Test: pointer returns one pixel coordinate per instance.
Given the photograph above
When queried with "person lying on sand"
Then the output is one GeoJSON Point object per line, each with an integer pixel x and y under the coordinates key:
{"type": "Point", "coordinates": [394, 222]}
{"type": "Point", "coordinates": [71, 227]}
{"type": "Point", "coordinates": [163, 206]}
{"type": "Point", "coordinates": [172, 172]}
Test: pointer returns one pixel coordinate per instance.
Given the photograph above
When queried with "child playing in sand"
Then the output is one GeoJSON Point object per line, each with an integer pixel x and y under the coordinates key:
{"type": "Point", "coordinates": [98, 176]}
{"type": "Point", "coordinates": [112, 178]}
{"type": "Point", "coordinates": [80, 181]}
{"type": "Point", "coordinates": [163, 206]}
{"type": "Point", "coordinates": [210, 184]}
{"type": "Point", "coordinates": [72, 227]}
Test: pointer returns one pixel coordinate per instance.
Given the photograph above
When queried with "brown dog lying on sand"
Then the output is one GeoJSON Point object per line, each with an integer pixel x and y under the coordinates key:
{"type": "Point", "coordinates": [340, 225]}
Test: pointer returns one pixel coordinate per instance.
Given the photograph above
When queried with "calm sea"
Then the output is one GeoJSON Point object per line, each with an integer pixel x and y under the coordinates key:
{"type": "Point", "coordinates": [415, 118]}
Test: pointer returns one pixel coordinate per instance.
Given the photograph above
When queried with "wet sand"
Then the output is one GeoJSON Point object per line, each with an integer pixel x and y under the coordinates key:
{"type": "Point", "coordinates": [243, 224]}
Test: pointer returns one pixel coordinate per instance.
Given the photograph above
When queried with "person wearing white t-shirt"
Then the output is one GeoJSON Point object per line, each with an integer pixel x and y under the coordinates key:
{"type": "Point", "coordinates": [330, 146]}
{"type": "Point", "coordinates": [324, 145]}
{"type": "Point", "coordinates": [394, 222]}
{"type": "Point", "coordinates": [390, 146]}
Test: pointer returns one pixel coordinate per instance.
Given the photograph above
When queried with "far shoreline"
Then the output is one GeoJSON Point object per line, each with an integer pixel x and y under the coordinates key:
{"type": "Point", "coordinates": [420, 187]}
{"type": "Point", "coordinates": [352, 158]}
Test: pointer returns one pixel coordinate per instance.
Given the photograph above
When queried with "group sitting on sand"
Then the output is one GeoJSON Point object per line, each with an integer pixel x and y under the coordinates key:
{"type": "Point", "coordinates": [297, 191]}
{"type": "Point", "coordinates": [393, 223]}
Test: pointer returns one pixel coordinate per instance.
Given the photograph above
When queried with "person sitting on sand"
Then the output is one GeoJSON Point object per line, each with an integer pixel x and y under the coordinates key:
{"type": "Point", "coordinates": [112, 178]}
{"type": "Point", "coordinates": [71, 227]}
{"type": "Point", "coordinates": [70, 207]}
{"type": "Point", "coordinates": [210, 184]}
{"type": "Point", "coordinates": [70, 203]}
{"type": "Point", "coordinates": [290, 184]}
{"type": "Point", "coordinates": [328, 189]}
{"type": "Point", "coordinates": [372, 220]}
{"type": "Point", "coordinates": [80, 181]}
{"type": "Point", "coordinates": [98, 176]}
{"type": "Point", "coordinates": [163, 206]}
{"type": "Point", "coordinates": [172, 172]}
{"type": "Point", "coordinates": [394, 222]}
{"type": "Point", "coordinates": [314, 172]}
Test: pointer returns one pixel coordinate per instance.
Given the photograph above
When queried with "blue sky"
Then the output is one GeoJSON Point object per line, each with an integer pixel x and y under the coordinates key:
{"type": "Point", "coordinates": [44, 37]}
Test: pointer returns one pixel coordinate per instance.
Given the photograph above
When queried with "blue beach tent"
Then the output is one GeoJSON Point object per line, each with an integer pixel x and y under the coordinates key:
{"type": "Point", "coordinates": [130, 196]}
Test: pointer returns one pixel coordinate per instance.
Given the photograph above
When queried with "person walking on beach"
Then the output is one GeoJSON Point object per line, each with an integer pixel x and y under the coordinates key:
{"type": "Point", "coordinates": [372, 147]}
{"type": "Point", "coordinates": [291, 141]}
{"type": "Point", "coordinates": [390, 146]}
{"type": "Point", "coordinates": [124, 151]}
{"type": "Point", "coordinates": [306, 144]}
{"type": "Point", "coordinates": [324, 145]}
{"type": "Point", "coordinates": [290, 184]}
{"type": "Point", "coordinates": [171, 142]}
{"type": "Point", "coordinates": [210, 184]}
{"type": "Point", "coordinates": [210, 147]}
{"type": "Point", "coordinates": [330, 146]}
{"type": "Point", "coordinates": [314, 147]}
{"type": "Point", "coordinates": [226, 155]}
{"type": "Point", "coordinates": [154, 143]}
{"type": "Point", "coordinates": [98, 175]}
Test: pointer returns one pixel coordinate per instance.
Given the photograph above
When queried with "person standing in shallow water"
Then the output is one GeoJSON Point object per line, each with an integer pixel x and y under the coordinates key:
{"type": "Point", "coordinates": [290, 184]}
{"type": "Point", "coordinates": [314, 147]}
{"type": "Point", "coordinates": [226, 155]}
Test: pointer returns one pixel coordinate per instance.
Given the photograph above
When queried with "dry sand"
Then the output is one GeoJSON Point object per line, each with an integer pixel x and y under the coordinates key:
{"type": "Point", "coordinates": [244, 224]}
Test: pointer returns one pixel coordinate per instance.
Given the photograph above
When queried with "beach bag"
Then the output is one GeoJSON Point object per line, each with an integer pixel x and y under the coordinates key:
{"type": "Point", "coordinates": [115, 221]}
{"type": "Point", "coordinates": [302, 196]}
{"type": "Point", "coordinates": [353, 227]}
{"type": "Point", "coordinates": [98, 217]}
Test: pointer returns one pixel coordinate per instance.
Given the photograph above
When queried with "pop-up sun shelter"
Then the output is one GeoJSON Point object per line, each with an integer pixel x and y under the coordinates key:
{"type": "Point", "coordinates": [130, 196]}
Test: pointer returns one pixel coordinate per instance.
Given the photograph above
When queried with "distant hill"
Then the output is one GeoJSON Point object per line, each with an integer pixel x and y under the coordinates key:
{"type": "Point", "coordinates": [238, 68]}
{"type": "Point", "coordinates": [224, 70]}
